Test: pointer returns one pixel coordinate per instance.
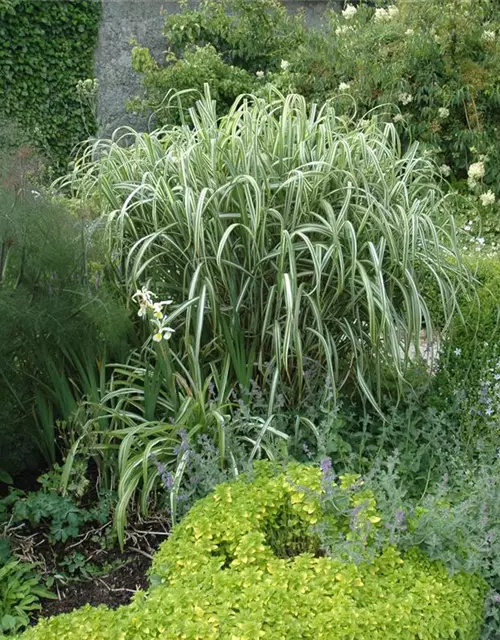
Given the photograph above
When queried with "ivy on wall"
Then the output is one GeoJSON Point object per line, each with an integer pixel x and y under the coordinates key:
{"type": "Point", "coordinates": [46, 53]}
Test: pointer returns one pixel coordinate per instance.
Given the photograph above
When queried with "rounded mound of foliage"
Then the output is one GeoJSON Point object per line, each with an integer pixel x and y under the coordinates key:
{"type": "Point", "coordinates": [303, 239]}
{"type": "Point", "coordinates": [245, 563]}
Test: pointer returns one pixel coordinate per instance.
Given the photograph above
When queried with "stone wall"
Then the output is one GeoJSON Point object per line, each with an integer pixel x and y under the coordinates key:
{"type": "Point", "coordinates": [124, 19]}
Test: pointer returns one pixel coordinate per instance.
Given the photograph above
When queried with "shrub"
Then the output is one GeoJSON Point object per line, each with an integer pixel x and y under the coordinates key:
{"type": "Point", "coordinates": [454, 521]}
{"type": "Point", "coordinates": [438, 63]}
{"type": "Point", "coordinates": [302, 239]}
{"type": "Point", "coordinates": [470, 360]}
{"type": "Point", "coordinates": [221, 576]}
{"type": "Point", "coordinates": [225, 43]}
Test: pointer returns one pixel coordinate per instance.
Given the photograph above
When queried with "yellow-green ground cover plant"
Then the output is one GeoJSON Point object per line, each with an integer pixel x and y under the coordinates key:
{"type": "Point", "coordinates": [245, 563]}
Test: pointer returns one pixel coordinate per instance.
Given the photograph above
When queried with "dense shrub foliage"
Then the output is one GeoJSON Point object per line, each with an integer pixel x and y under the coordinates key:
{"type": "Point", "coordinates": [46, 49]}
{"type": "Point", "coordinates": [437, 65]}
{"type": "Point", "coordinates": [220, 576]}
{"type": "Point", "coordinates": [470, 360]}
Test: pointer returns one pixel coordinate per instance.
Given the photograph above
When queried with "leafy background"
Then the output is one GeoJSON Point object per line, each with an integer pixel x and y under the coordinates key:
{"type": "Point", "coordinates": [45, 49]}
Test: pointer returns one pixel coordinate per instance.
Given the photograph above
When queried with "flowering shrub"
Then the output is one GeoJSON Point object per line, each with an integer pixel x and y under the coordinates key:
{"type": "Point", "coordinates": [437, 61]}
{"type": "Point", "coordinates": [232, 569]}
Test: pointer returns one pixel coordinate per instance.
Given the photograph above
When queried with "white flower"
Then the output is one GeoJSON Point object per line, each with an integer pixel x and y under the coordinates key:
{"type": "Point", "coordinates": [444, 170]}
{"type": "Point", "coordinates": [344, 86]}
{"type": "Point", "coordinates": [458, 352]}
{"type": "Point", "coordinates": [468, 226]}
{"type": "Point", "coordinates": [443, 112]}
{"type": "Point", "coordinates": [487, 198]}
{"type": "Point", "coordinates": [259, 74]}
{"type": "Point", "coordinates": [163, 333]}
{"type": "Point", "coordinates": [405, 98]}
{"type": "Point", "coordinates": [488, 36]}
{"type": "Point", "coordinates": [480, 241]}
{"type": "Point", "coordinates": [158, 306]}
{"type": "Point", "coordinates": [409, 32]}
{"type": "Point", "coordinates": [398, 117]}
{"type": "Point", "coordinates": [349, 12]}
{"type": "Point", "coordinates": [145, 300]}
{"type": "Point", "coordinates": [476, 171]}
{"type": "Point", "coordinates": [284, 65]}
{"type": "Point", "coordinates": [343, 29]}
{"type": "Point", "coordinates": [381, 15]}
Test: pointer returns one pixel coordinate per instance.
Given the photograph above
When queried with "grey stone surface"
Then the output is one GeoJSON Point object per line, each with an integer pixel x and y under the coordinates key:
{"type": "Point", "coordinates": [142, 19]}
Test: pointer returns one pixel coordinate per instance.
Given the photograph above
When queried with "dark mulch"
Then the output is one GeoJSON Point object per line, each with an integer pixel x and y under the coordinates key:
{"type": "Point", "coordinates": [113, 590]}
{"type": "Point", "coordinates": [114, 587]}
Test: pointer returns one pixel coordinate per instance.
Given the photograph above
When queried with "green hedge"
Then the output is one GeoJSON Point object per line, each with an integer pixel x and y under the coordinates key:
{"type": "Point", "coordinates": [240, 566]}
{"type": "Point", "coordinates": [46, 48]}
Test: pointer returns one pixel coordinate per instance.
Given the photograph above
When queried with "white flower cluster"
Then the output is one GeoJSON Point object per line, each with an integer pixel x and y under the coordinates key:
{"type": "Point", "coordinates": [489, 36]}
{"type": "Point", "coordinates": [409, 32]}
{"type": "Point", "coordinates": [405, 98]}
{"type": "Point", "coordinates": [443, 112]}
{"type": "Point", "coordinates": [158, 319]}
{"type": "Point", "coordinates": [476, 171]}
{"type": "Point", "coordinates": [383, 15]}
{"type": "Point", "coordinates": [284, 65]}
{"type": "Point", "coordinates": [87, 88]}
{"type": "Point", "coordinates": [487, 198]}
{"type": "Point", "coordinates": [349, 12]}
{"type": "Point", "coordinates": [344, 86]}
{"type": "Point", "coordinates": [398, 117]}
{"type": "Point", "coordinates": [343, 29]}
{"type": "Point", "coordinates": [259, 74]}
{"type": "Point", "coordinates": [480, 242]}
{"type": "Point", "coordinates": [444, 170]}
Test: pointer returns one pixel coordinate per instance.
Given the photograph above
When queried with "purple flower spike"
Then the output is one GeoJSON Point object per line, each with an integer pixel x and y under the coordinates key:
{"type": "Point", "coordinates": [326, 466]}
{"type": "Point", "coordinates": [400, 517]}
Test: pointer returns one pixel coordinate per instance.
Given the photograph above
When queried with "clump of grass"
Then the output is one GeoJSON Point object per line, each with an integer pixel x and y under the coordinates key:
{"type": "Point", "coordinates": [306, 238]}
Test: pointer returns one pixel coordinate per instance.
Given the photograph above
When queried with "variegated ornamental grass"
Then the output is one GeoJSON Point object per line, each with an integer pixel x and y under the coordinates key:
{"type": "Point", "coordinates": [304, 239]}
{"type": "Point", "coordinates": [296, 246]}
